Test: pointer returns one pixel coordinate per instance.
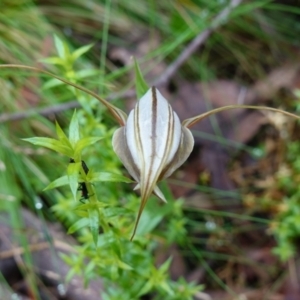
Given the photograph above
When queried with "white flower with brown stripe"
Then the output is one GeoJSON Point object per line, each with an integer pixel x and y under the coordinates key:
{"type": "Point", "coordinates": [152, 144]}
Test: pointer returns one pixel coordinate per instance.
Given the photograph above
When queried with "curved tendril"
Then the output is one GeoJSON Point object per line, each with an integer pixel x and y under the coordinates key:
{"type": "Point", "coordinates": [117, 113]}
{"type": "Point", "coordinates": [192, 121]}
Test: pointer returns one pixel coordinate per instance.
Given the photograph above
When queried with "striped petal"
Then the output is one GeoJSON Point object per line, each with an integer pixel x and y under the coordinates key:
{"type": "Point", "coordinates": [152, 145]}
{"type": "Point", "coordinates": [121, 149]}
{"type": "Point", "coordinates": [185, 148]}
{"type": "Point", "coordinates": [153, 134]}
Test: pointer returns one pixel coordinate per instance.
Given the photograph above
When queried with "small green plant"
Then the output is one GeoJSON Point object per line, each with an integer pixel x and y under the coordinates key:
{"type": "Point", "coordinates": [286, 226]}
{"type": "Point", "coordinates": [78, 175]}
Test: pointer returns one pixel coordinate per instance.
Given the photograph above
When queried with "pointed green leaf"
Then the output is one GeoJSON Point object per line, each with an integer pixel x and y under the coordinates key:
{"type": "Point", "coordinates": [60, 133]}
{"type": "Point", "coordinates": [79, 52]}
{"type": "Point", "coordinates": [53, 61]}
{"type": "Point", "coordinates": [51, 144]}
{"type": "Point", "coordinates": [60, 47]}
{"type": "Point", "coordinates": [105, 176]}
{"type": "Point", "coordinates": [73, 176]}
{"type": "Point", "coordinates": [51, 83]}
{"type": "Point", "coordinates": [111, 212]}
{"type": "Point", "coordinates": [84, 222]}
{"type": "Point", "coordinates": [141, 86]}
{"type": "Point", "coordinates": [94, 224]}
{"type": "Point", "coordinates": [165, 286]}
{"type": "Point", "coordinates": [74, 130]}
{"type": "Point", "coordinates": [71, 273]}
{"type": "Point", "coordinates": [165, 266]}
{"type": "Point", "coordinates": [87, 73]}
{"type": "Point", "coordinates": [123, 265]}
{"type": "Point", "coordinates": [85, 142]}
{"type": "Point", "coordinates": [82, 214]}
{"type": "Point", "coordinates": [146, 288]}
{"type": "Point", "coordinates": [89, 270]}
{"type": "Point", "coordinates": [61, 181]}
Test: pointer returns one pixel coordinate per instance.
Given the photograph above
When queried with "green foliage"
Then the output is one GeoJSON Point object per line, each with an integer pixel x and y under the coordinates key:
{"type": "Point", "coordinates": [66, 60]}
{"type": "Point", "coordinates": [140, 83]}
{"type": "Point", "coordinates": [286, 226]}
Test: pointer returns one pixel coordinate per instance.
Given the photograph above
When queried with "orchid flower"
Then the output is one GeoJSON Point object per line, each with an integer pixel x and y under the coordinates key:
{"type": "Point", "coordinates": [151, 142]}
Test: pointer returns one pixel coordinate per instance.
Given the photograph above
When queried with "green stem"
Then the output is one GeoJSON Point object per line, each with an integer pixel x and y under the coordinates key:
{"type": "Point", "coordinates": [94, 201]}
